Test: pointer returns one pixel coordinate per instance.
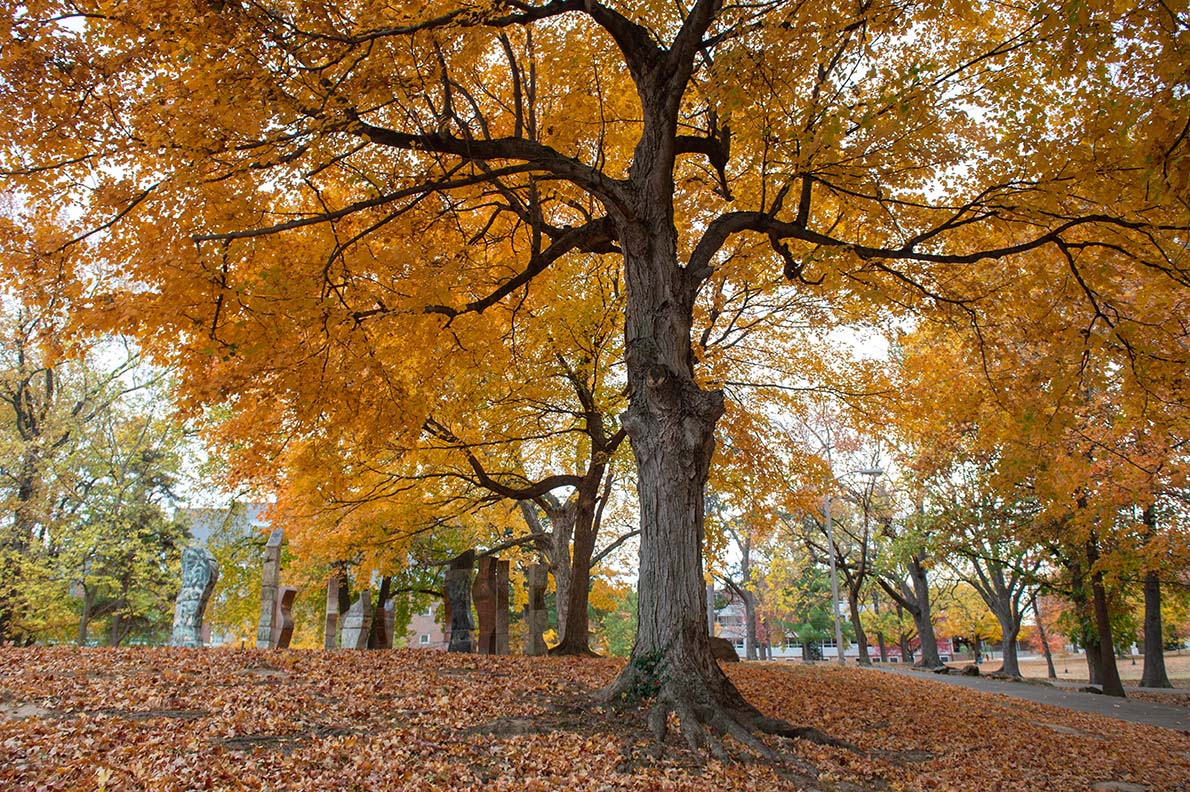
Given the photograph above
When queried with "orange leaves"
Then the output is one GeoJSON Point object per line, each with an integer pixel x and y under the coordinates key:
{"type": "Point", "coordinates": [163, 720]}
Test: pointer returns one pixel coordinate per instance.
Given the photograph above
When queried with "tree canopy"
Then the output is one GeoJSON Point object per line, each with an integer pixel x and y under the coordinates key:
{"type": "Point", "coordinates": [308, 207]}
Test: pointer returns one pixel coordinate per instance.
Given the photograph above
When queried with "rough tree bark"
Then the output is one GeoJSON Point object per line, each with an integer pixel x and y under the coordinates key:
{"type": "Point", "coordinates": [378, 637]}
{"type": "Point", "coordinates": [574, 635]}
{"type": "Point", "coordinates": [1112, 686]}
{"type": "Point", "coordinates": [670, 423]}
{"type": "Point", "coordinates": [916, 600]}
{"type": "Point", "coordinates": [1153, 674]}
{"type": "Point", "coordinates": [1002, 592]}
{"type": "Point", "coordinates": [1051, 672]}
{"type": "Point", "coordinates": [861, 637]}
{"type": "Point", "coordinates": [85, 616]}
{"type": "Point", "coordinates": [569, 548]}
{"type": "Point", "coordinates": [1154, 670]}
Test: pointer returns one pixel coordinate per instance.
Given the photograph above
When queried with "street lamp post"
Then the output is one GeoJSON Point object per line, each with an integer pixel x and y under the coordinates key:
{"type": "Point", "coordinates": [830, 540]}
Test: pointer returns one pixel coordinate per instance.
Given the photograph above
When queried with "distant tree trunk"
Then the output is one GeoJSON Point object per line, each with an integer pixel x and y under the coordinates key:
{"type": "Point", "coordinates": [903, 639]}
{"type": "Point", "coordinates": [1009, 617]}
{"type": "Point", "coordinates": [378, 637]}
{"type": "Point", "coordinates": [85, 616]}
{"type": "Point", "coordinates": [1002, 590]}
{"type": "Point", "coordinates": [1154, 670]}
{"type": "Point", "coordinates": [1051, 672]}
{"type": "Point", "coordinates": [860, 636]}
{"type": "Point", "coordinates": [1112, 686]}
{"type": "Point", "coordinates": [749, 624]}
{"type": "Point", "coordinates": [118, 631]}
{"type": "Point", "coordinates": [574, 631]}
{"type": "Point", "coordinates": [917, 602]}
{"type": "Point", "coordinates": [1010, 665]}
{"type": "Point", "coordinates": [1094, 663]}
{"type": "Point", "coordinates": [575, 628]}
{"type": "Point", "coordinates": [1154, 675]}
{"type": "Point", "coordinates": [922, 617]}
{"type": "Point", "coordinates": [881, 642]}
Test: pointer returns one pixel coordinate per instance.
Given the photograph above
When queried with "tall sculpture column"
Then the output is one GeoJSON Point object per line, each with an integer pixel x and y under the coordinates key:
{"type": "Point", "coordinates": [458, 602]}
{"type": "Point", "coordinates": [331, 629]}
{"type": "Point", "coordinates": [357, 622]}
{"type": "Point", "coordinates": [502, 568]}
{"type": "Point", "coordinates": [535, 614]}
{"type": "Point", "coordinates": [270, 578]}
{"type": "Point", "coordinates": [484, 593]}
{"type": "Point", "coordinates": [200, 573]}
{"type": "Point", "coordinates": [283, 617]}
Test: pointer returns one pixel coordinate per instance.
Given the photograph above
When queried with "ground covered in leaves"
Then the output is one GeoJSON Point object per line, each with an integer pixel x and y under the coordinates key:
{"type": "Point", "coordinates": [179, 719]}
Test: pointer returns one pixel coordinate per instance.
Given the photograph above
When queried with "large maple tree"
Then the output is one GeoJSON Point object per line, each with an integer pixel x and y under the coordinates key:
{"type": "Point", "coordinates": [273, 191]}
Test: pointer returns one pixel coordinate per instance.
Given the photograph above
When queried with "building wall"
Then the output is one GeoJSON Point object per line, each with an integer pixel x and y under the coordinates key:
{"type": "Point", "coordinates": [425, 632]}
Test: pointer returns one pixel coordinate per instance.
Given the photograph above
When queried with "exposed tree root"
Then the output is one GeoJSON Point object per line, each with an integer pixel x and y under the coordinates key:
{"type": "Point", "coordinates": [708, 711]}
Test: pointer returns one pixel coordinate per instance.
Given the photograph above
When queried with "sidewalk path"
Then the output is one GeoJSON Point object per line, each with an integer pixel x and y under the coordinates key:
{"type": "Point", "coordinates": [1065, 695]}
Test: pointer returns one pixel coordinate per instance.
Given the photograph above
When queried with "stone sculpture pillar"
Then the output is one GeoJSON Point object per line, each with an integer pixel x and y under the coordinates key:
{"type": "Point", "coordinates": [502, 568]}
{"type": "Point", "coordinates": [270, 578]}
{"type": "Point", "coordinates": [484, 594]}
{"type": "Point", "coordinates": [536, 580]}
{"type": "Point", "coordinates": [357, 623]}
{"type": "Point", "coordinates": [282, 632]}
{"type": "Point", "coordinates": [390, 622]}
{"type": "Point", "coordinates": [331, 630]}
{"type": "Point", "coordinates": [200, 573]}
{"type": "Point", "coordinates": [458, 602]}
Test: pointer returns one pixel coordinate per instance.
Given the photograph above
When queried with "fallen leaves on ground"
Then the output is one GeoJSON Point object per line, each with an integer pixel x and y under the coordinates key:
{"type": "Point", "coordinates": [183, 719]}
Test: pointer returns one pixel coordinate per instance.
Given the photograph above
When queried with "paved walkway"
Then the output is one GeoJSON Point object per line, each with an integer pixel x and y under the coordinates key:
{"type": "Point", "coordinates": [1064, 694]}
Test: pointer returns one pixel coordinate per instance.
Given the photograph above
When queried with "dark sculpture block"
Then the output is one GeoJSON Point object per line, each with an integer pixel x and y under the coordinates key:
{"type": "Point", "coordinates": [458, 602]}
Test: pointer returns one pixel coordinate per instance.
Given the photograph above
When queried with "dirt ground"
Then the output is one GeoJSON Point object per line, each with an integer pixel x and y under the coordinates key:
{"type": "Point", "coordinates": [1073, 668]}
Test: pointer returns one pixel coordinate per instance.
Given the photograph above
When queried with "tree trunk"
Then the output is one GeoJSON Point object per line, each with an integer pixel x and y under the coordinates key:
{"type": "Point", "coordinates": [574, 632]}
{"type": "Point", "coordinates": [1010, 666]}
{"type": "Point", "coordinates": [85, 616]}
{"type": "Point", "coordinates": [903, 639]}
{"type": "Point", "coordinates": [1154, 671]}
{"type": "Point", "coordinates": [922, 617]}
{"type": "Point", "coordinates": [1112, 686]}
{"type": "Point", "coordinates": [378, 637]}
{"type": "Point", "coordinates": [114, 634]}
{"type": "Point", "coordinates": [1094, 664]}
{"type": "Point", "coordinates": [750, 641]}
{"type": "Point", "coordinates": [1086, 620]}
{"type": "Point", "coordinates": [1050, 671]}
{"type": "Point", "coordinates": [881, 642]}
{"type": "Point", "coordinates": [575, 629]}
{"type": "Point", "coordinates": [562, 525]}
{"type": "Point", "coordinates": [555, 546]}
{"type": "Point", "coordinates": [670, 423]}
{"type": "Point", "coordinates": [860, 636]}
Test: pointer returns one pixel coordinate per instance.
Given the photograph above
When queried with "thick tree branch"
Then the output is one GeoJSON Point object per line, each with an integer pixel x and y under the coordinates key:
{"type": "Point", "coordinates": [605, 552]}
{"type": "Point", "coordinates": [485, 480]}
{"type": "Point", "coordinates": [596, 236]}
{"type": "Point", "coordinates": [699, 267]}
{"type": "Point", "coordinates": [542, 157]}
{"type": "Point", "coordinates": [440, 185]}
